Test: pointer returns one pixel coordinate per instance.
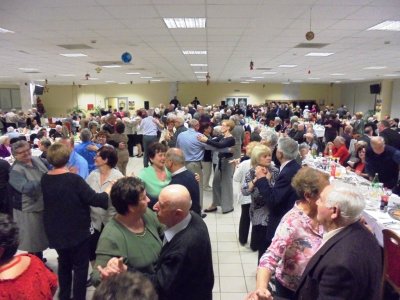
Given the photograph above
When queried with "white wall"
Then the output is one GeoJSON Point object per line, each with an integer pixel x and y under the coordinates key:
{"type": "Point", "coordinates": [357, 97]}
{"type": "Point", "coordinates": [395, 108]}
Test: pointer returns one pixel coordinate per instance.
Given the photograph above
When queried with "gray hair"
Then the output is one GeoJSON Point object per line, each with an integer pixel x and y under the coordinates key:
{"type": "Point", "coordinates": [180, 120]}
{"type": "Point", "coordinates": [93, 124]}
{"type": "Point", "coordinates": [193, 123]}
{"type": "Point", "coordinates": [176, 156]}
{"type": "Point", "coordinates": [288, 147]}
{"type": "Point", "coordinates": [304, 146]}
{"type": "Point", "coordinates": [86, 135]}
{"type": "Point", "coordinates": [270, 137]}
{"type": "Point", "coordinates": [348, 199]}
{"type": "Point", "coordinates": [19, 144]}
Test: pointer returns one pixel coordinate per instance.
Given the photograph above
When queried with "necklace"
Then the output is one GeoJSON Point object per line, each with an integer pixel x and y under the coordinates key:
{"type": "Point", "coordinates": [141, 234]}
{"type": "Point", "coordinates": [9, 266]}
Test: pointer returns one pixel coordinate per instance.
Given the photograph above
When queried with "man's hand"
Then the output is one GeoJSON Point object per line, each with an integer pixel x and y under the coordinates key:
{"type": "Point", "coordinates": [260, 294]}
{"type": "Point", "coordinates": [92, 147]}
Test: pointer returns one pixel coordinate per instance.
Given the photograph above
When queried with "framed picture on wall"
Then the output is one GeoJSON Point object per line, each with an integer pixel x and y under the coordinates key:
{"type": "Point", "coordinates": [230, 102]}
{"type": "Point", "coordinates": [242, 102]}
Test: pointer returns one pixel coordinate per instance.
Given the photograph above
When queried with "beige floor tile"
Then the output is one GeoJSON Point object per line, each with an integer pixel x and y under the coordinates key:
{"type": "Point", "coordinates": [232, 284]}
{"type": "Point", "coordinates": [216, 269]}
{"type": "Point", "coordinates": [231, 269]}
{"type": "Point", "coordinates": [228, 246]}
{"type": "Point", "coordinates": [226, 228]}
{"type": "Point", "coordinates": [229, 257]}
{"type": "Point", "coordinates": [249, 269]}
{"type": "Point", "coordinates": [233, 296]}
{"type": "Point", "coordinates": [216, 287]}
{"type": "Point", "coordinates": [216, 296]}
{"type": "Point", "coordinates": [250, 283]}
{"type": "Point", "coordinates": [227, 236]}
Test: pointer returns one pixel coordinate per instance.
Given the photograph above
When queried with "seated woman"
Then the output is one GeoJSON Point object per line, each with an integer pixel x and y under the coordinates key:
{"type": "Point", "coordinates": [296, 239]}
{"type": "Point", "coordinates": [156, 176]}
{"type": "Point", "coordinates": [23, 276]}
{"type": "Point", "coordinates": [133, 235]}
{"type": "Point", "coordinates": [359, 166]}
{"type": "Point", "coordinates": [337, 149]}
{"type": "Point", "coordinates": [67, 199]}
{"type": "Point", "coordinates": [5, 149]}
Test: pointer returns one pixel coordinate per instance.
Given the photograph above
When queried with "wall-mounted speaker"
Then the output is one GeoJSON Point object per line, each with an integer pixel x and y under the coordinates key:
{"type": "Point", "coordinates": [222, 103]}
{"type": "Point", "coordinates": [146, 105]}
{"type": "Point", "coordinates": [375, 88]}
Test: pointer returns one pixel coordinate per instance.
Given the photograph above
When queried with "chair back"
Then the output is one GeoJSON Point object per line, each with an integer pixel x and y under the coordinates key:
{"type": "Point", "coordinates": [391, 267]}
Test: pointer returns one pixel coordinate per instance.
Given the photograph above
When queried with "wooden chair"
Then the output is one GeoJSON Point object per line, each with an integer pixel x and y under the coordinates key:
{"type": "Point", "coordinates": [391, 261]}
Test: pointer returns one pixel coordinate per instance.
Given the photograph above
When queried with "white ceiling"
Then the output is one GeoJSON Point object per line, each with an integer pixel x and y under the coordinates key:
{"type": "Point", "coordinates": [238, 31]}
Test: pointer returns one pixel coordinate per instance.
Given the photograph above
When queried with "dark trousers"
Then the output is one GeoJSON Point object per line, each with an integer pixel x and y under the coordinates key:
{"type": "Point", "coordinates": [131, 144]}
{"type": "Point", "coordinates": [244, 224]}
{"type": "Point", "coordinates": [74, 259]}
{"type": "Point", "coordinates": [283, 292]}
{"type": "Point", "coordinates": [259, 239]}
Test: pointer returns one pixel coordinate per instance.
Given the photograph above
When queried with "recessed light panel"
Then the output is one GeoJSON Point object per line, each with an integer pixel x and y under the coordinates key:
{"type": "Point", "coordinates": [111, 66]}
{"type": "Point", "coordinates": [287, 66]}
{"type": "Point", "coordinates": [132, 73]}
{"type": "Point", "coordinates": [268, 73]}
{"type": "Point", "coordinates": [375, 68]}
{"type": "Point", "coordinates": [387, 26]}
{"type": "Point", "coordinates": [185, 23]}
{"type": "Point", "coordinates": [3, 30]}
{"type": "Point", "coordinates": [319, 54]}
{"type": "Point", "coordinates": [194, 52]}
{"type": "Point", "coordinates": [336, 74]}
{"type": "Point", "coordinates": [73, 54]}
{"type": "Point", "coordinates": [198, 65]}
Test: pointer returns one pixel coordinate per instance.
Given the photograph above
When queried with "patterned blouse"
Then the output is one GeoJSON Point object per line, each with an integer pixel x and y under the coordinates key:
{"type": "Point", "coordinates": [293, 245]}
{"type": "Point", "coordinates": [258, 209]}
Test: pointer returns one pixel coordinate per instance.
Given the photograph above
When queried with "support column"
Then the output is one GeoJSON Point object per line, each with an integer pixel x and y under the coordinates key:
{"type": "Point", "coordinates": [26, 93]}
{"type": "Point", "coordinates": [386, 98]}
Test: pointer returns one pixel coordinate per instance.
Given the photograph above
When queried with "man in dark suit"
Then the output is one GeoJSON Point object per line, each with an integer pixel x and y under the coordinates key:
{"type": "Point", "coordinates": [392, 137]}
{"type": "Point", "coordinates": [281, 197]}
{"type": "Point", "coordinates": [348, 265]}
{"type": "Point", "coordinates": [175, 163]}
{"type": "Point", "coordinates": [184, 269]}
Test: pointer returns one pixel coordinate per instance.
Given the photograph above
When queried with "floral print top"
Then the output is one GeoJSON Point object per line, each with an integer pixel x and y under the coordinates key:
{"type": "Point", "coordinates": [293, 245]}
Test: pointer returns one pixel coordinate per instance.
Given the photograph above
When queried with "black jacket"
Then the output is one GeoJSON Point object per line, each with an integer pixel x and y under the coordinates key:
{"type": "Point", "coordinates": [188, 180]}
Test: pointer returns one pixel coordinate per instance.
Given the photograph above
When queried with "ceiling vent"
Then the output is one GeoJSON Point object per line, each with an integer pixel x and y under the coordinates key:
{"type": "Point", "coordinates": [311, 45]}
{"type": "Point", "coordinates": [75, 46]}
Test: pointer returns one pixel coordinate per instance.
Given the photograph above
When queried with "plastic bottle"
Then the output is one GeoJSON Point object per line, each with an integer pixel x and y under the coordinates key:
{"type": "Point", "coordinates": [375, 181]}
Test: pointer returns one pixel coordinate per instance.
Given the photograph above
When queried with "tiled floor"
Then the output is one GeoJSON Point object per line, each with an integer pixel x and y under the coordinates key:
{"type": "Point", "coordinates": [234, 265]}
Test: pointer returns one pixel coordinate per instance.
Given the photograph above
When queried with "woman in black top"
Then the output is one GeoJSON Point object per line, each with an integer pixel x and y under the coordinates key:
{"type": "Point", "coordinates": [67, 199]}
{"type": "Point", "coordinates": [222, 182]}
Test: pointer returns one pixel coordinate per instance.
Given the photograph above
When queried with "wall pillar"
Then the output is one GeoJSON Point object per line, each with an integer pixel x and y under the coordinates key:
{"type": "Point", "coordinates": [386, 98]}
{"type": "Point", "coordinates": [26, 93]}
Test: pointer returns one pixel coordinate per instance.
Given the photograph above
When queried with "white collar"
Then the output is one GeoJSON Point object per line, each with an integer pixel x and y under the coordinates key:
{"type": "Point", "coordinates": [179, 171]}
{"type": "Point", "coordinates": [283, 165]}
{"type": "Point", "coordinates": [171, 232]}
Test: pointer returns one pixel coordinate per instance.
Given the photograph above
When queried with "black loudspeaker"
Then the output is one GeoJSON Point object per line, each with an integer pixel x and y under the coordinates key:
{"type": "Point", "coordinates": [146, 105]}
{"type": "Point", "coordinates": [222, 103]}
{"type": "Point", "coordinates": [375, 88]}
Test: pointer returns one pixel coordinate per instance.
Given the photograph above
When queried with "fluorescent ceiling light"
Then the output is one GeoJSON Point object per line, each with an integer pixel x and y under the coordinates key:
{"type": "Point", "coordinates": [387, 26]}
{"type": "Point", "coordinates": [286, 66]}
{"type": "Point", "coordinates": [93, 78]}
{"type": "Point", "coordinates": [73, 54]}
{"type": "Point", "coordinates": [41, 80]}
{"type": "Point", "coordinates": [375, 68]}
{"type": "Point", "coordinates": [314, 78]}
{"type": "Point", "coordinates": [319, 54]}
{"type": "Point", "coordinates": [201, 77]}
{"type": "Point", "coordinates": [336, 74]}
{"type": "Point", "coordinates": [111, 66]}
{"type": "Point", "coordinates": [268, 73]}
{"type": "Point", "coordinates": [28, 69]}
{"type": "Point", "coordinates": [155, 80]}
{"type": "Point", "coordinates": [66, 75]}
{"type": "Point", "coordinates": [194, 52]}
{"type": "Point", "coordinates": [185, 22]}
{"type": "Point", "coordinates": [122, 83]}
{"type": "Point", "coordinates": [257, 77]}
{"type": "Point", "coordinates": [146, 77]}
{"type": "Point", "coordinates": [297, 81]}
{"type": "Point", "coordinates": [391, 75]}
{"type": "Point", "coordinates": [132, 73]}
{"type": "Point", "coordinates": [355, 79]}
{"type": "Point", "coordinates": [337, 81]}
{"type": "Point", "coordinates": [250, 80]}
{"type": "Point", "coordinates": [3, 30]}
{"type": "Point", "coordinates": [110, 81]}
{"type": "Point", "coordinates": [198, 65]}
{"type": "Point", "coordinates": [200, 72]}
{"type": "Point", "coordinates": [244, 82]}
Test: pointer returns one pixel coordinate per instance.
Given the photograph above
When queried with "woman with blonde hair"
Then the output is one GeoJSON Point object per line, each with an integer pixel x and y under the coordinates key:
{"type": "Point", "coordinates": [261, 157]}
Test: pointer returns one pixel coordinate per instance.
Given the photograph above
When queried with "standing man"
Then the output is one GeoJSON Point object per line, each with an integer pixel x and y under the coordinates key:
{"type": "Point", "coordinates": [76, 163]}
{"type": "Point", "coordinates": [180, 127]}
{"type": "Point", "coordinates": [281, 197]}
{"type": "Point", "coordinates": [175, 163]}
{"type": "Point", "coordinates": [392, 137]}
{"type": "Point", "coordinates": [348, 265]}
{"type": "Point", "coordinates": [149, 126]}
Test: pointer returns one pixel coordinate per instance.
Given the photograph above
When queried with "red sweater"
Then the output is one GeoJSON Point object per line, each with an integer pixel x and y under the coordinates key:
{"type": "Point", "coordinates": [342, 153]}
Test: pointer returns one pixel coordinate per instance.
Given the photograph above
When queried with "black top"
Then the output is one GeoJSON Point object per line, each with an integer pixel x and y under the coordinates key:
{"type": "Point", "coordinates": [222, 142]}
{"type": "Point", "coordinates": [4, 172]}
{"type": "Point", "coordinates": [392, 137]}
{"type": "Point", "coordinates": [184, 270]}
{"type": "Point", "coordinates": [67, 199]}
{"type": "Point", "coordinates": [188, 180]}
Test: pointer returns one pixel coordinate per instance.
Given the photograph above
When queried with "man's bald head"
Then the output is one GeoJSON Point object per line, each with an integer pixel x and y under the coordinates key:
{"type": "Point", "coordinates": [378, 144]}
{"type": "Point", "coordinates": [173, 204]}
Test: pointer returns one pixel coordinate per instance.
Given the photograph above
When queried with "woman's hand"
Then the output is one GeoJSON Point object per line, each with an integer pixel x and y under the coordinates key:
{"type": "Point", "coordinates": [260, 172]}
{"type": "Point", "coordinates": [202, 138]}
{"type": "Point", "coordinates": [260, 294]}
{"type": "Point", "coordinates": [114, 266]}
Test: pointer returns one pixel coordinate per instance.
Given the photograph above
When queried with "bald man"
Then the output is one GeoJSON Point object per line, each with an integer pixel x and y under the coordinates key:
{"type": "Point", "coordinates": [184, 269]}
{"type": "Point", "coordinates": [175, 163]}
{"type": "Point", "coordinates": [384, 160]}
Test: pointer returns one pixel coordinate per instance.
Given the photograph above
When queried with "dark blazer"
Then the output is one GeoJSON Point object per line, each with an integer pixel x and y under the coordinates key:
{"type": "Point", "coordinates": [188, 180]}
{"type": "Point", "coordinates": [347, 266]}
{"type": "Point", "coordinates": [280, 198]}
{"type": "Point", "coordinates": [184, 270]}
{"type": "Point", "coordinates": [392, 137]}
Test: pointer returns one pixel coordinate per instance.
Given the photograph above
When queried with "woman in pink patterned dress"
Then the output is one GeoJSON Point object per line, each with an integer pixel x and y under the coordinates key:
{"type": "Point", "coordinates": [296, 239]}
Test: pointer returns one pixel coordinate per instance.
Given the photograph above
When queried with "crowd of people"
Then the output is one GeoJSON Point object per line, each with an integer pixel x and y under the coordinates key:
{"type": "Point", "coordinates": [147, 228]}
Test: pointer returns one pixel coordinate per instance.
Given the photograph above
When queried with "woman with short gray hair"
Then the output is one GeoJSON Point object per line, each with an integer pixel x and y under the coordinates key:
{"type": "Point", "coordinates": [25, 176]}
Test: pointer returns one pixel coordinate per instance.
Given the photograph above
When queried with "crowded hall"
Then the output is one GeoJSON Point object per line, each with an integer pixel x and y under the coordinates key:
{"type": "Point", "coordinates": [199, 150]}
